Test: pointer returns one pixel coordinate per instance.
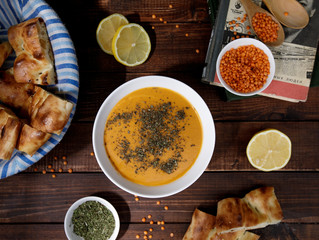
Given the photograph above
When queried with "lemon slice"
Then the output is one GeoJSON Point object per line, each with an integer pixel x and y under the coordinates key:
{"type": "Point", "coordinates": [106, 30]}
{"type": "Point", "coordinates": [269, 150]}
{"type": "Point", "coordinates": [131, 45]}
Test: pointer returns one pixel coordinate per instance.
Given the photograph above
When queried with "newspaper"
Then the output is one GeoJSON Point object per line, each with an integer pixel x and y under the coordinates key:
{"type": "Point", "coordinates": [294, 62]}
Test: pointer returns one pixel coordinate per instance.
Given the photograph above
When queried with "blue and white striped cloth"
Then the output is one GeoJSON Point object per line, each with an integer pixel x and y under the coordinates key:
{"type": "Point", "coordinates": [13, 12]}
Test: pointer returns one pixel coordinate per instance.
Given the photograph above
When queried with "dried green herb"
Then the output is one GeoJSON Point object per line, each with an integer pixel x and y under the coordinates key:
{"type": "Point", "coordinates": [93, 221]}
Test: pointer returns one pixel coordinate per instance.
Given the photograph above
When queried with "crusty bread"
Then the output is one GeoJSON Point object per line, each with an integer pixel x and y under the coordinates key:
{"type": "Point", "coordinates": [15, 95]}
{"type": "Point", "coordinates": [48, 112]}
{"type": "Point", "coordinates": [202, 227]}
{"type": "Point", "coordinates": [5, 51]}
{"type": "Point", "coordinates": [35, 61]}
{"type": "Point", "coordinates": [31, 139]}
{"type": "Point", "coordinates": [9, 132]}
{"type": "Point", "coordinates": [257, 209]}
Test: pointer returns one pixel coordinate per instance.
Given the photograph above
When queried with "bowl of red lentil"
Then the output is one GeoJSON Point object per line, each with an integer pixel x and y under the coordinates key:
{"type": "Point", "coordinates": [245, 67]}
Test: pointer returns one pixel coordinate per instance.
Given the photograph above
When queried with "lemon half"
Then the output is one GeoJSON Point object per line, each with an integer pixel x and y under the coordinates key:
{"type": "Point", "coordinates": [269, 150]}
{"type": "Point", "coordinates": [131, 45]}
{"type": "Point", "coordinates": [106, 30]}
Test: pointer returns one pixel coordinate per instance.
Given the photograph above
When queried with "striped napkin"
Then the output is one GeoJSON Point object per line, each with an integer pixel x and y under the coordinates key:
{"type": "Point", "coordinates": [13, 12]}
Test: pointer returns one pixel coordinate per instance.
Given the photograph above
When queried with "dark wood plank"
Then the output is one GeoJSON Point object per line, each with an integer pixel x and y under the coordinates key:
{"type": "Point", "coordinates": [37, 198]}
{"type": "Point", "coordinates": [94, 92]}
{"type": "Point", "coordinates": [229, 154]}
{"type": "Point", "coordinates": [129, 232]}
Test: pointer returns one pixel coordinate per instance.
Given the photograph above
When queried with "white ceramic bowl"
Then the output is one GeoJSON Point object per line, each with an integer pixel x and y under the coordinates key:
{"type": "Point", "coordinates": [243, 42]}
{"type": "Point", "coordinates": [68, 226]}
{"type": "Point", "coordinates": [192, 174]}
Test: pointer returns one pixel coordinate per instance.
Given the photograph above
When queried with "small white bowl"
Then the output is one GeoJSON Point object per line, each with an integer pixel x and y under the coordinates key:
{"type": "Point", "coordinates": [192, 174]}
{"type": "Point", "coordinates": [244, 42]}
{"type": "Point", "coordinates": [68, 226]}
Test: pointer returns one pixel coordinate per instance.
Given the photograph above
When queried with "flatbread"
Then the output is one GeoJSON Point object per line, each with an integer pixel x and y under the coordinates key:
{"type": "Point", "coordinates": [48, 112]}
{"type": "Point", "coordinates": [257, 209]}
{"type": "Point", "coordinates": [15, 95]}
{"type": "Point", "coordinates": [31, 139]}
{"type": "Point", "coordinates": [202, 227]}
{"type": "Point", "coordinates": [5, 51]}
{"type": "Point", "coordinates": [35, 61]}
{"type": "Point", "coordinates": [9, 132]}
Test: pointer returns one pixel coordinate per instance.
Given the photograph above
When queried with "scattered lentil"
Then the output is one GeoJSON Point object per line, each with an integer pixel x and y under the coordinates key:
{"type": "Point", "coordinates": [286, 13]}
{"type": "Point", "coordinates": [171, 234]}
{"type": "Point", "coordinates": [143, 219]}
{"type": "Point", "coordinates": [92, 153]}
{"type": "Point", "coordinates": [35, 169]}
{"type": "Point", "coordinates": [137, 236]}
{"type": "Point", "coordinates": [151, 222]}
{"type": "Point", "coordinates": [165, 22]}
{"type": "Point", "coordinates": [166, 207]}
{"type": "Point", "coordinates": [153, 16]}
{"type": "Point", "coordinates": [150, 236]}
{"type": "Point", "coordinates": [52, 169]}
{"type": "Point", "coordinates": [186, 34]}
{"type": "Point", "coordinates": [153, 27]}
{"type": "Point", "coordinates": [53, 175]}
{"type": "Point", "coordinates": [162, 222]}
{"type": "Point", "coordinates": [197, 51]}
{"type": "Point", "coordinates": [162, 228]}
{"type": "Point", "coordinates": [60, 170]}
{"type": "Point", "coordinates": [265, 27]}
{"type": "Point", "coordinates": [158, 222]}
{"type": "Point", "coordinates": [65, 162]}
{"type": "Point", "coordinates": [151, 229]}
{"type": "Point", "coordinates": [70, 170]}
{"type": "Point", "coordinates": [64, 157]}
{"type": "Point", "coordinates": [158, 202]}
{"type": "Point", "coordinates": [55, 158]}
{"type": "Point", "coordinates": [137, 199]}
{"type": "Point", "coordinates": [177, 26]}
{"type": "Point", "coordinates": [170, 6]}
{"type": "Point", "coordinates": [161, 19]}
{"type": "Point", "coordinates": [49, 166]}
{"type": "Point", "coordinates": [145, 232]}
{"type": "Point", "coordinates": [149, 216]}
{"type": "Point", "coordinates": [44, 172]}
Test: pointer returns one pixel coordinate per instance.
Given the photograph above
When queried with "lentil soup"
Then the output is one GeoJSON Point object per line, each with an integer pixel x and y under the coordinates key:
{"type": "Point", "coordinates": [153, 136]}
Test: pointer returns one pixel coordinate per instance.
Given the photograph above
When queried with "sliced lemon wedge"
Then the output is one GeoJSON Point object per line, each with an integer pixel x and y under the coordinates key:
{"type": "Point", "coordinates": [131, 45]}
{"type": "Point", "coordinates": [269, 150]}
{"type": "Point", "coordinates": [106, 30]}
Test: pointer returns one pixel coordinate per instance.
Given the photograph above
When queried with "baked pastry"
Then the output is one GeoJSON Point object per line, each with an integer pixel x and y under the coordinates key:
{"type": "Point", "coordinates": [31, 139]}
{"type": "Point", "coordinates": [15, 95]}
{"type": "Point", "coordinates": [258, 209]}
{"type": "Point", "coordinates": [202, 227]}
{"type": "Point", "coordinates": [5, 51]}
{"type": "Point", "coordinates": [34, 62]}
{"type": "Point", "coordinates": [9, 132]}
{"type": "Point", "coordinates": [48, 112]}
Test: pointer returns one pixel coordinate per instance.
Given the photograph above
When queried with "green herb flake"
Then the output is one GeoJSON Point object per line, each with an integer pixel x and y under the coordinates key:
{"type": "Point", "coordinates": [93, 221]}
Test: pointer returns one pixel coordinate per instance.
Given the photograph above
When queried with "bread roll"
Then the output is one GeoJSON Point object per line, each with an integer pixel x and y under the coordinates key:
{"type": "Point", "coordinates": [5, 51]}
{"type": "Point", "coordinates": [35, 61]}
{"type": "Point", "coordinates": [9, 132]}
{"type": "Point", "coordinates": [31, 139]}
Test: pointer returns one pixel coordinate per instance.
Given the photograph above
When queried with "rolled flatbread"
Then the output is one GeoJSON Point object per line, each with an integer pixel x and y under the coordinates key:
{"type": "Point", "coordinates": [258, 209]}
{"type": "Point", "coordinates": [35, 61]}
{"type": "Point", "coordinates": [5, 51]}
{"type": "Point", "coordinates": [9, 132]}
{"type": "Point", "coordinates": [202, 227]}
{"type": "Point", "coordinates": [31, 139]}
{"type": "Point", "coordinates": [15, 95]}
{"type": "Point", "coordinates": [48, 112]}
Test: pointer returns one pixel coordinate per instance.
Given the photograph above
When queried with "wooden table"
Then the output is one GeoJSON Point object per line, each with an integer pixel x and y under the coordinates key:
{"type": "Point", "coordinates": [33, 205]}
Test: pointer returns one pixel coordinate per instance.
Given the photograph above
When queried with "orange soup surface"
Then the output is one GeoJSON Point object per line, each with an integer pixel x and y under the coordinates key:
{"type": "Point", "coordinates": [153, 136]}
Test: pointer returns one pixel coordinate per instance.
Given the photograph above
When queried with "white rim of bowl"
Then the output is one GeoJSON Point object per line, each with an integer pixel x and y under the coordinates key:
{"type": "Point", "coordinates": [209, 137]}
{"type": "Point", "coordinates": [244, 42]}
{"type": "Point", "coordinates": [68, 226]}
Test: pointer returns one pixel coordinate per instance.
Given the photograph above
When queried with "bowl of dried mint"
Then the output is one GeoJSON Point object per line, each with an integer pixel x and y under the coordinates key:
{"type": "Point", "coordinates": [91, 218]}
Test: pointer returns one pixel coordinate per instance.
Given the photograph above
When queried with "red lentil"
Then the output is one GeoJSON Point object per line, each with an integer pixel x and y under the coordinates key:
{"type": "Point", "coordinates": [70, 170]}
{"type": "Point", "coordinates": [53, 175]}
{"type": "Point", "coordinates": [186, 34]}
{"type": "Point", "coordinates": [143, 219]}
{"type": "Point", "coordinates": [137, 236]}
{"type": "Point", "coordinates": [158, 202]}
{"type": "Point", "coordinates": [44, 172]}
{"type": "Point", "coordinates": [265, 27]}
{"type": "Point", "coordinates": [170, 6]}
{"type": "Point", "coordinates": [286, 13]}
{"type": "Point", "coordinates": [162, 228]}
{"type": "Point", "coordinates": [60, 170]}
{"type": "Point", "coordinates": [245, 69]}
{"type": "Point", "coordinates": [153, 16]}
{"type": "Point", "coordinates": [166, 207]}
{"type": "Point", "coordinates": [171, 234]}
